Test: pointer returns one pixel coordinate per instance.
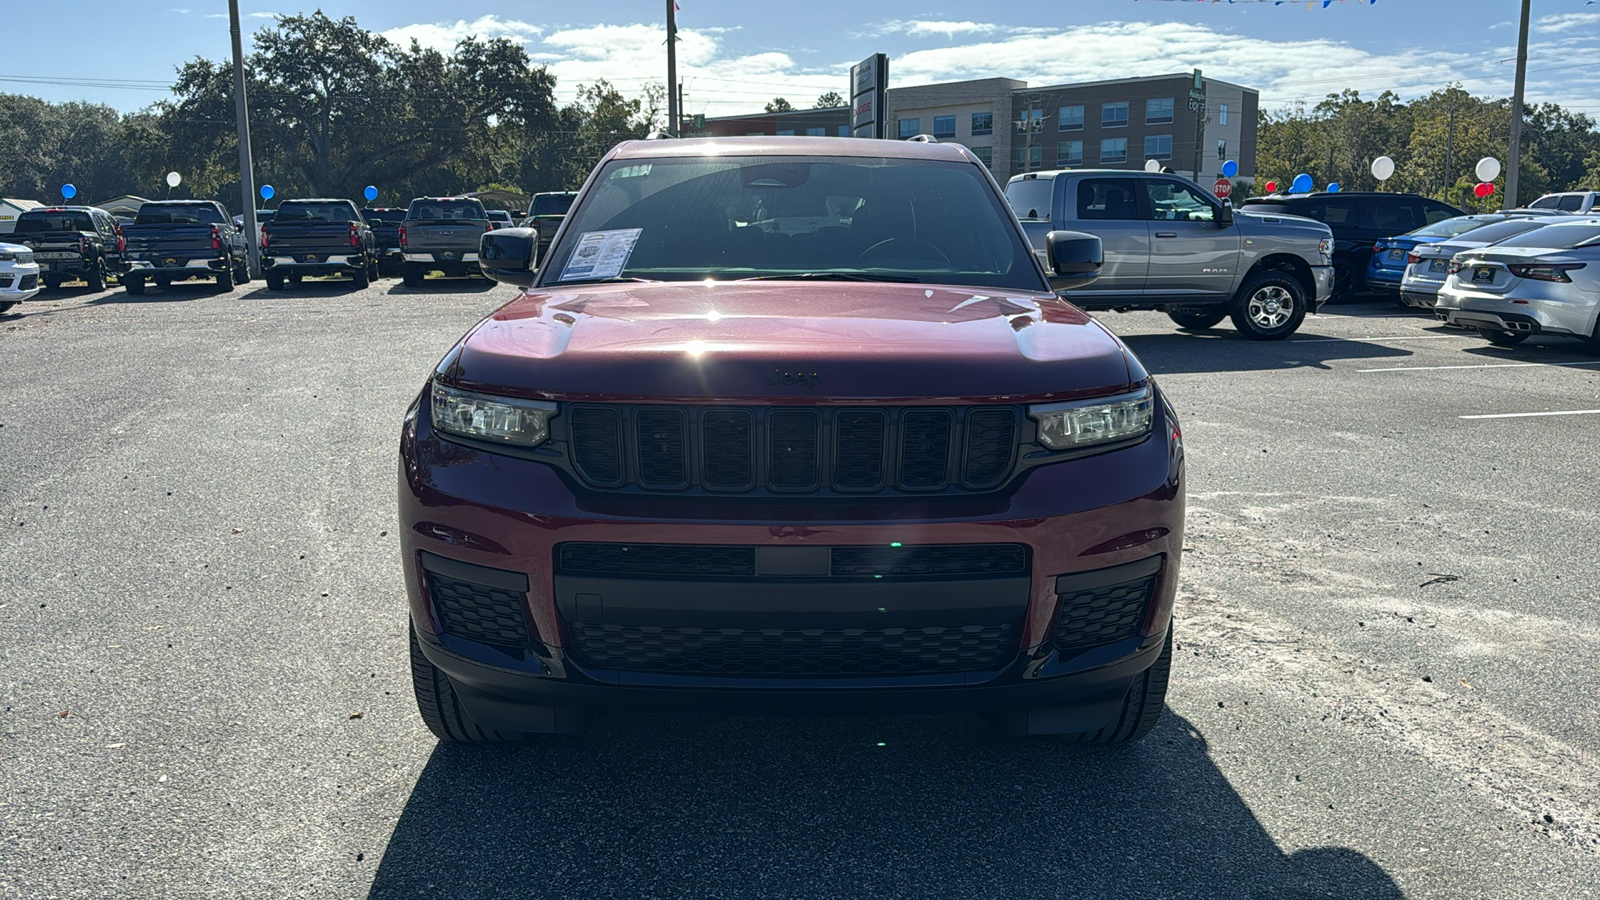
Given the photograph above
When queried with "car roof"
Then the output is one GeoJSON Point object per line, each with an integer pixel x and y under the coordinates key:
{"type": "Point", "coordinates": [758, 145]}
{"type": "Point", "coordinates": [1284, 198]}
{"type": "Point", "coordinates": [316, 200]}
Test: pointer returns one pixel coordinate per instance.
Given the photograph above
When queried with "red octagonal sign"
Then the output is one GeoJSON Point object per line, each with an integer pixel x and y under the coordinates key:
{"type": "Point", "coordinates": [1222, 188]}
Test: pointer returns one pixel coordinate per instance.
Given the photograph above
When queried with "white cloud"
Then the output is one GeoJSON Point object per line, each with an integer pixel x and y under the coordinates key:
{"type": "Point", "coordinates": [216, 15]}
{"type": "Point", "coordinates": [924, 28]}
{"type": "Point", "coordinates": [444, 37]}
{"type": "Point", "coordinates": [1565, 22]}
{"type": "Point", "coordinates": [262, 15]}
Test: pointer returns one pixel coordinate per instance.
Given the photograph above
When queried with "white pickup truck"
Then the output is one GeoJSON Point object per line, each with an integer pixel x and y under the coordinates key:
{"type": "Point", "coordinates": [1170, 245]}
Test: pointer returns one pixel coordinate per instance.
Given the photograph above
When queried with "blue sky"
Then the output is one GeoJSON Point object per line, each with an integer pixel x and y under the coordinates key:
{"type": "Point", "coordinates": [737, 54]}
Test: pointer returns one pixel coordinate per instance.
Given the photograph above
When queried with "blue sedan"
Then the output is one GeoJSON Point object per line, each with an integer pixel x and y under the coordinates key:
{"type": "Point", "coordinates": [1388, 264]}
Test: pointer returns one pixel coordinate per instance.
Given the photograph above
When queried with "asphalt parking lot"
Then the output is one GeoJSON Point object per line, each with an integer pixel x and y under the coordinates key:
{"type": "Point", "coordinates": [1385, 680]}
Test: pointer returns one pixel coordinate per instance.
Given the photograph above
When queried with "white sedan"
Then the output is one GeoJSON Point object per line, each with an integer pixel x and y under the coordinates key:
{"type": "Point", "coordinates": [19, 275]}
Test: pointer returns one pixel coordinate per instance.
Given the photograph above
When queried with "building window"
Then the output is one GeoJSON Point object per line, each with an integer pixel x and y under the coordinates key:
{"type": "Point", "coordinates": [785, 132]}
{"type": "Point", "coordinates": [983, 123]}
{"type": "Point", "coordinates": [1069, 153]}
{"type": "Point", "coordinates": [817, 131]}
{"type": "Point", "coordinates": [1069, 118]}
{"type": "Point", "coordinates": [1222, 114]}
{"type": "Point", "coordinates": [1158, 112]}
{"type": "Point", "coordinates": [844, 131]}
{"type": "Point", "coordinates": [1030, 119]}
{"type": "Point", "coordinates": [1157, 146]}
{"type": "Point", "coordinates": [985, 155]}
{"type": "Point", "coordinates": [1222, 148]}
{"type": "Point", "coordinates": [944, 126]}
{"type": "Point", "coordinates": [1030, 157]}
{"type": "Point", "coordinates": [1113, 115]}
{"type": "Point", "coordinates": [1114, 150]}
{"type": "Point", "coordinates": [910, 128]}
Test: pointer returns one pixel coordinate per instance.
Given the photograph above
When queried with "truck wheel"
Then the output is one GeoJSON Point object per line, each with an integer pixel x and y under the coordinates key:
{"type": "Point", "coordinates": [1270, 306]}
{"type": "Point", "coordinates": [441, 710]}
{"type": "Point", "coordinates": [241, 275]}
{"type": "Point", "coordinates": [363, 276]}
{"type": "Point", "coordinates": [274, 281]}
{"type": "Point", "coordinates": [1140, 709]}
{"type": "Point", "coordinates": [413, 275]}
{"type": "Point", "coordinates": [1503, 338]}
{"type": "Point", "coordinates": [225, 280]}
{"type": "Point", "coordinates": [163, 281]}
{"type": "Point", "coordinates": [52, 282]}
{"type": "Point", "coordinates": [1196, 318]}
{"type": "Point", "coordinates": [133, 284]}
{"type": "Point", "coordinates": [96, 279]}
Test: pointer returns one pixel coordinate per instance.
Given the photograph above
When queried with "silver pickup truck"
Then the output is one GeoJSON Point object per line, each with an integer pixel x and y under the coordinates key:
{"type": "Point", "coordinates": [1170, 245]}
{"type": "Point", "coordinates": [441, 234]}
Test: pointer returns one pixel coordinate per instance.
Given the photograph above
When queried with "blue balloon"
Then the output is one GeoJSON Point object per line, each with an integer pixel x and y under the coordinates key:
{"type": "Point", "coordinates": [1230, 169]}
{"type": "Point", "coordinates": [1302, 184]}
{"type": "Point", "coordinates": [371, 193]}
{"type": "Point", "coordinates": [267, 192]}
{"type": "Point", "coordinates": [68, 191]}
{"type": "Point", "coordinates": [1333, 188]}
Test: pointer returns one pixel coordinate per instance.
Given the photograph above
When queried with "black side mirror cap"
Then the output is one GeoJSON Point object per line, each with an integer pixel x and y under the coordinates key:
{"type": "Point", "coordinates": [510, 255]}
{"type": "Point", "coordinates": [1074, 259]}
{"type": "Point", "coordinates": [1224, 216]}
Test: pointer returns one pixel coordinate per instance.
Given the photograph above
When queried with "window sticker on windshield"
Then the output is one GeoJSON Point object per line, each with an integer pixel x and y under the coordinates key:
{"type": "Point", "coordinates": [601, 254]}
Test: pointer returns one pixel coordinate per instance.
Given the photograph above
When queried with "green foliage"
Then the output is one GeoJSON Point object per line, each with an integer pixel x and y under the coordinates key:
{"type": "Point", "coordinates": [830, 100]}
{"type": "Point", "coordinates": [778, 105]}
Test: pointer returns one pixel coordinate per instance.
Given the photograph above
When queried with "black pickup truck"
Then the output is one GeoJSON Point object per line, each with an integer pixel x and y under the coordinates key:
{"type": "Point", "coordinates": [71, 242]}
{"type": "Point", "coordinates": [442, 234]}
{"type": "Point", "coordinates": [385, 223]}
{"type": "Point", "coordinates": [317, 237]}
{"type": "Point", "coordinates": [172, 240]}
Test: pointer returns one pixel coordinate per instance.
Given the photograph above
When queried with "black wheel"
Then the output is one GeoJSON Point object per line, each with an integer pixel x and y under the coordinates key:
{"type": "Point", "coordinates": [441, 710]}
{"type": "Point", "coordinates": [241, 275]}
{"type": "Point", "coordinates": [96, 279]}
{"type": "Point", "coordinates": [6, 304]}
{"type": "Point", "coordinates": [225, 280]}
{"type": "Point", "coordinates": [133, 284]}
{"type": "Point", "coordinates": [274, 281]}
{"type": "Point", "coordinates": [52, 282]}
{"type": "Point", "coordinates": [1269, 307]}
{"type": "Point", "coordinates": [1344, 282]}
{"type": "Point", "coordinates": [1197, 318]}
{"type": "Point", "coordinates": [1503, 338]}
{"type": "Point", "coordinates": [412, 276]}
{"type": "Point", "coordinates": [363, 276]}
{"type": "Point", "coordinates": [1140, 709]}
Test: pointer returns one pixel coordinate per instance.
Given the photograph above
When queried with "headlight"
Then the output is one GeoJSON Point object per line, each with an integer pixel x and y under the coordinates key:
{"type": "Point", "coordinates": [1085, 423]}
{"type": "Point", "coordinates": [8, 257]}
{"type": "Point", "coordinates": [1327, 249]}
{"type": "Point", "coordinates": [509, 420]}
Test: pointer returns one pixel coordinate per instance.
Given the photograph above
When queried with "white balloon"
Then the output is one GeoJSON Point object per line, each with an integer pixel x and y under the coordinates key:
{"type": "Point", "coordinates": [1152, 165]}
{"type": "Point", "coordinates": [1488, 168]}
{"type": "Point", "coordinates": [174, 179]}
{"type": "Point", "coordinates": [1382, 168]}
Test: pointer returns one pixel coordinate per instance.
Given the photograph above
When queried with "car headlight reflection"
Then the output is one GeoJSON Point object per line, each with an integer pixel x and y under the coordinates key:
{"type": "Point", "coordinates": [1106, 420]}
{"type": "Point", "coordinates": [509, 420]}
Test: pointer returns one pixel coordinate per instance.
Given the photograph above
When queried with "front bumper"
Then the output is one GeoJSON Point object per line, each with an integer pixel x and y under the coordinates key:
{"type": "Point", "coordinates": [1120, 512]}
{"type": "Point", "coordinates": [18, 283]}
{"type": "Point", "coordinates": [1323, 276]}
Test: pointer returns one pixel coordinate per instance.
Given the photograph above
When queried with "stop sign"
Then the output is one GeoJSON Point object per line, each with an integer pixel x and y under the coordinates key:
{"type": "Point", "coordinates": [1222, 188]}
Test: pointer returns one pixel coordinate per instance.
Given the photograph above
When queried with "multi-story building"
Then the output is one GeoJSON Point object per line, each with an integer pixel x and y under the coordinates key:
{"type": "Point", "coordinates": [826, 122]}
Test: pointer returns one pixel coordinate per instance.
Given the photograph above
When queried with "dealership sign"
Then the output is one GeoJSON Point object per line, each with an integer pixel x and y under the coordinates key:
{"type": "Point", "coordinates": [869, 85]}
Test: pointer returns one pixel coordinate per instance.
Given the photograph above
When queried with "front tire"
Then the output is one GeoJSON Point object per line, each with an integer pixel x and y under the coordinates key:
{"type": "Point", "coordinates": [412, 276]}
{"type": "Point", "coordinates": [1503, 338]}
{"type": "Point", "coordinates": [1140, 709]}
{"type": "Point", "coordinates": [225, 280]}
{"type": "Point", "coordinates": [274, 281]}
{"type": "Point", "coordinates": [133, 284]}
{"type": "Point", "coordinates": [441, 708]}
{"type": "Point", "coordinates": [1196, 318]}
{"type": "Point", "coordinates": [96, 279]}
{"type": "Point", "coordinates": [1270, 307]}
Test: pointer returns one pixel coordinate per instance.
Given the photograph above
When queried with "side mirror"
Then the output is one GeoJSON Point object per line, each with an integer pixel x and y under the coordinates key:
{"type": "Point", "coordinates": [1224, 216]}
{"type": "Point", "coordinates": [1074, 259]}
{"type": "Point", "coordinates": [510, 255]}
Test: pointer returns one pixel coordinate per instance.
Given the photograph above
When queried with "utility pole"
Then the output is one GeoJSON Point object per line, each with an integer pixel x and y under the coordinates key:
{"type": "Point", "coordinates": [1514, 163]}
{"type": "Point", "coordinates": [1029, 123]}
{"type": "Point", "coordinates": [1450, 156]}
{"type": "Point", "coordinates": [683, 111]}
{"type": "Point", "coordinates": [247, 172]}
{"type": "Point", "coordinates": [674, 110]}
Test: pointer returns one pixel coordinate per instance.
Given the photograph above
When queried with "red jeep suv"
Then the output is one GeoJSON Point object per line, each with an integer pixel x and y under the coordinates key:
{"type": "Point", "coordinates": [789, 426]}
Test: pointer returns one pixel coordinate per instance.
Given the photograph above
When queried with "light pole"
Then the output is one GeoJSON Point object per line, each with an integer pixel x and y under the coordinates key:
{"type": "Point", "coordinates": [673, 125]}
{"type": "Point", "coordinates": [1514, 161]}
{"type": "Point", "coordinates": [247, 175]}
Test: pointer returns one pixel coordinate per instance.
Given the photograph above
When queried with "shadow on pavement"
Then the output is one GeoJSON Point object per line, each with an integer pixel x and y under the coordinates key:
{"type": "Point", "coordinates": [1221, 349]}
{"type": "Point", "coordinates": [719, 807]}
{"type": "Point", "coordinates": [445, 286]}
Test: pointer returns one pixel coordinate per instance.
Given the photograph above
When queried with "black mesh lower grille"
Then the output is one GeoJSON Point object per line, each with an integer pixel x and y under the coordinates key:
{"type": "Point", "coordinates": [810, 652]}
{"type": "Point", "coordinates": [478, 612]}
{"type": "Point", "coordinates": [657, 559]}
{"type": "Point", "coordinates": [29, 282]}
{"type": "Point", "coordinates": [1103, 615]}
{"type": "Point", "coordinates": [732, 561]}
{"type": "Point", "coordinates": [954, 561]}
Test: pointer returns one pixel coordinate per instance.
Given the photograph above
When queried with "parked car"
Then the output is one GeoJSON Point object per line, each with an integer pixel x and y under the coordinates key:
{"type": "Point", "coordinates": [546, 211]}
{"type": "Point", "coordinates": [669, 475]}
{"type": "Point", "coordinates": [385, 223]}
{"type": "Point", "coordinates": [70, 243]}
{"type": "Point", "coordinates": [1387, 267]}
{"type": "Point", "coordinates": [500, 218]}
{"type": "Point", "coordinates": [1427, 265]}
{"type": "Point", "coordinates": [172, 240]}
{"type": "Point", "coordinates": [1542, 282]}
{"type": "Point", "coordinates": [1172, 246]}
{"type": "Point", "coordinates": [440, 234]}
{"type": "Point", "coordinates": [19, 275]}
{"type": "Point", "coordinates": [317, 237]}
{"type": "Point", "coordinates": [1358, 220]}
{"type": "Point", "coordinates": [1580, 202]}
{"type": "Point", "coordinates": [263, 216]}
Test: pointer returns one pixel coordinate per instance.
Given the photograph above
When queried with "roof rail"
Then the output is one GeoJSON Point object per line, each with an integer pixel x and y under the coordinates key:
{"type": "Point", "coordinates": [657, 136]}
{"type": "Point", "coordinates": [923, 139]}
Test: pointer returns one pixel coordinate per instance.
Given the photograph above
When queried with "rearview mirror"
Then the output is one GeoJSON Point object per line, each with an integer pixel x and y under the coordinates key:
{"type": "Point", "coordinates": [1224, 215]}
{"type": "Point", "coordinates": [1074, 259]}
{"type": "Point", "coordinates": [510, 255]}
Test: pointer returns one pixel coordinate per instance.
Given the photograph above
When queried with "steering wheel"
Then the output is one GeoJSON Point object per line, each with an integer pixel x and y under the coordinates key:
{"type": "Point", "coordinates": [903, 248]}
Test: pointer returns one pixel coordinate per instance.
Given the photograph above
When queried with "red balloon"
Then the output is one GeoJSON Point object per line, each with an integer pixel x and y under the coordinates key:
{"type": "Point", "coordinates": [1272, 186]}
{"type": "Point", "coordinates": [1484, 189]}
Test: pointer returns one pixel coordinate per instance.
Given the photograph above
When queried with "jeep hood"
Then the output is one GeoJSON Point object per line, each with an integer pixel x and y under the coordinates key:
{"type": "Point", "coordinates": [752, 340]}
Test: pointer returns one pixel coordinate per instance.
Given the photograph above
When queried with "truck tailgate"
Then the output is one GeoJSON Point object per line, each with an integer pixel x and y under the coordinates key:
{"type": "Point", "coordinates": [166, 239]}
{"type": "Point", "coordinates": [460, 236]}
{"type": "Point", "coordinates": [285, 239]}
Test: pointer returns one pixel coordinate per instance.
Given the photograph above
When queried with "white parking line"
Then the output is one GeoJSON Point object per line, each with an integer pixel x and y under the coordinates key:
{"type": "Point", "coordinates": [1484, 366]}
{"type": "Point", "coordinates": [1567, 412]}
{"type": "Point", "coordinates": [1397, 337]}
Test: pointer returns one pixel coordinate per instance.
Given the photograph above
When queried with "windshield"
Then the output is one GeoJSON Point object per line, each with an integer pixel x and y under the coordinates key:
{"type": "Point", "coordinates": [551, 204]}
{"type": "Point", "coordinates": [197, 214]}
{"type": "Point", "coordinates": [384, 216]}
{"type": "Point", "coordinates": [315, 212]}
{"type": "Point", "coordinates": [447, 209]}
{"type": "Point", "coordinates": [1555, 237]}
{"type": "Point", "coordinates": [726, 218]}
{"type": "Point", "coordinates": [35, 222]}
{"type": "Point", "coordinates": [1451, 227]}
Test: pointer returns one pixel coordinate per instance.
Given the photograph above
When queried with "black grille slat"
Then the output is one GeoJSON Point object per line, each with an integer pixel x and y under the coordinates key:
{"type": "Point", "coordinates": [991, 442]}
{"type": "Point", "coordinates": [1102, 615]}
{"type": "Point", "coordinates": [597, 444]}
{"type": "Point", "coordinates": [810, 652]}
{"type": "Point", "coordinates": [660, 435]}
{"type": "Point", "coordinates": [925, 449]}
{"type": "Point", "coordinates": [736, 561]}
{"type": "Point", "coordinates": [727, 443]}
{"type": "Point", "coordinates": [943, 561]}
{"type": "Point", "coordinates": [657, 559]}
{"type": "Point", "coordinates": [478, 612]}
{"type": "Point", "coordinates": [858, 449]}
{"type": "Point", "coordinates": [792, 450]}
